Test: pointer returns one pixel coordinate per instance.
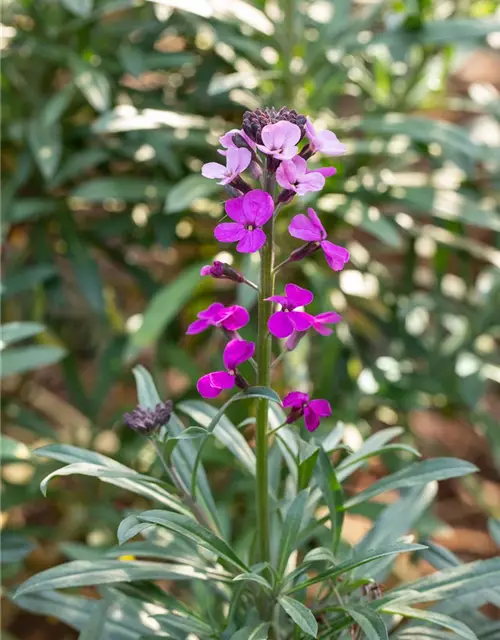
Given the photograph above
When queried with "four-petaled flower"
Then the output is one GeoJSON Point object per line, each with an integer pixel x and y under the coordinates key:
{"type": "Point", "coordinates": [227, 141]}
{"type": "Point", "coordinates": [294, 175]}
{"type": "Point", "coordinates": [311, 230]}
{"type": "Point", "coordinates": [237, 160]}
{"type": "Point", "coordinates": [249, 212]}
{"type": "Point", "coordinates": [322, 320]}
{"type": "Point", "coordinates": [235, 353]}
{"type": "Point", "coordinates": [324, 141]}
{"type": "Point", "coordinates": [280, 140]}
{"type": "Point", "coordinates": [284, 322]}
{"type": "Point", "coordinates": [301, 405]}
{"type": "Point", "coordinates": [217, 315]}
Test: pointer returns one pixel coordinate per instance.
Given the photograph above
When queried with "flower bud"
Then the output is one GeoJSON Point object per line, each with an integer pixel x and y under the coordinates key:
{"type": "Point", "coordinates": [222, 270]}
{"type": "Point", "coordinates": [241, 185]}
{"type": "Point", "coordinates": [148, 421]}
{"type": "Point", "coordinates": [240, 381]}
{"type": "Point", "coordinates": [304, 251]}
{"type": "Point", "coordinates": [285, 196]}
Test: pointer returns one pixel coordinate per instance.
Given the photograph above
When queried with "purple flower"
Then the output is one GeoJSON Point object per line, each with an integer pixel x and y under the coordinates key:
{"type": "Point", "coordinates": [322, 320]}
{"type": "Point", "coordinates": [311, 230]}
{"type": "Point", "coordinates": [293, 175]}
{"type": "Point", "coordinates": [147, 421]}
{"type": "Point", "coordinates": [237, 160]}
{"type": "Point", "coordinates": [301, 405]}
{"type": "Point", "coordinates": [283, 323]}
{"type": "Point", "coordinates": [217, 315]}
{"type": "Point", "coordinates": [324, 141]}
{"type": "Point", "coordinates": [280, 140]}
{"type": "Point", "coordinates": [235, 353]}
{"type": "Point", "coordinates": [249, 212]}
{"type": "Point", "coordinates": [227, 141]}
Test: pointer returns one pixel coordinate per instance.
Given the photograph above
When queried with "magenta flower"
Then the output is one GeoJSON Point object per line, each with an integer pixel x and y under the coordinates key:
{"type": "Point", "coordinates": [228, 143]}
{"type": "Point", "coordinates": [293, 175]}
{"type": "Point", "coordinates": [237, 160]}
{"type": "Point", "coordinates": [324, 141]}
{"type": "Point", "coordinates": [311, 230]}
{"type": "Point", "coordinates": [217, 315]}
{"type": "Point", "coordinates": [222, 270]}
{"type": "Point", "coordinates": [235, 353]}
{"type": "Point", "coordinates": [322, 320]}
{"type": "Point", "coordinates": [249, 212]}
{"type": "Point", "coordinates": [312, 410]}
{"type": "Point", "coordinates": [284, 322]}
{"type": "Point", "coordinates": [280, 140]}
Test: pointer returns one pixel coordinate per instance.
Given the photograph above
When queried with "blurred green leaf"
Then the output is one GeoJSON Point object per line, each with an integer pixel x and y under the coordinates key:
{"type": "Point", "coordinates": [15, 546]}
{"type": "Point", "coordinates": [46, 145]}
{"type": "Point", "coordinates": [12, 450]}
{"type": "Point", "coordinates": [93, 84]}
{"type": "Point", "coordinates": [129, 189]}
{"type": "Point", "coordinates": [18, 360]}
{"type": "Point", "coordinates": [184, 193]}
{"type": "Point", "coordinates": [82, 8]}
{"type": "Point", "coordinates": [12, 332]}
{"type": "Point", "coordinates": [369, 621]}
{"type": "Point", "coordinates": [94, 629]}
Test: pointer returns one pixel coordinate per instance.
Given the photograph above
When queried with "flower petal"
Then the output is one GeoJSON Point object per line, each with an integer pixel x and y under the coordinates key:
{"type": "Point", "coordinates": [328, 317]}
{"type": "Point", "coordinates": [298, 296]}
{"type": "Point", "coordinates": [258, 207]}
{"type": "Point", "coordinates": [279, 299]}
{"type": "Point", "coordinates": [236, 352]}
{"type": "Point", "coordinates": [326, 172]}
{"type": "Point", "coordinates": [312, 181]}
{"type": "Point", "coordinates": [213, 170]}
{"type": "Point", "coordinates": [206, 270]}
{"type": "Point", "coordinates": [233, 318]}
{"type": "Point", "coordinates": [295, 399]}
{"type": "Point", "coordinates": [280, 134]}
{"type": "Point", "coordinates": [211, 312]}
{"type": "Point", "coordinates": [301, 320]}
{"type": "Point", "coordinates": [237, 160]}
{"type": "Point", "coordinates": [280, 325]}
{"type": "Point", "coordinates": [336, 256]}
{"type": "Point", "coordinates": [210, 385]}
{"type": "Point", "coordinates": [304, 229]}
{"type": "Point", "coordinates": [286, 174]}
{"type": "Point", "coordinates": [330, 144]}
{"type": "Point", "coordinates": [234, 209]}
{"type": "Point", "coordinates": [197, 327]}
{"type": "Point", "coordinates": [311, 420]}
{"type": "Point", "coordinates": [227, 139]}
{"type": "Point", "coordinates": [252, 241]}
{"type": "Point", "coordinates": [321, 408]}
{"type": "Point", "coordinates": [229, 231]}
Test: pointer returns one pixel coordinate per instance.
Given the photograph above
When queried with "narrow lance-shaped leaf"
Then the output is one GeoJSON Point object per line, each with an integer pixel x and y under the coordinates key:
{"type": "Point", "coordinates": [332, 494]}
{"type": "Point", "coordinates": [291, 528]}
{"type": "Point", "coordinates": [300, 614]}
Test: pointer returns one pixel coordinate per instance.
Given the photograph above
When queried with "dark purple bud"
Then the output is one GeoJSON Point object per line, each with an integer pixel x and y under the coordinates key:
{"type": "Point", "coordinates": [255, 171]}
{"type": "Point", "coordinates": [285, 196]}
{"type": "Point", "coordinates": [232, 192]}
{"type": "Point", "coordinates": [240, 142]}
{"type": "Point", "coordinates": [272, 164]}
{"type": "Point", "coordinates": [148, 421]}
{"type": "Point", "coordinates": [294, 340]}
{"type": "Point", "coordinates": [240, 382]}
{"type": "Point", "coordinates": [304, 251]}
{"type": "Point", "coordinates": [241, 185]}
{"type": "Point", "coordinates": [222, 270]}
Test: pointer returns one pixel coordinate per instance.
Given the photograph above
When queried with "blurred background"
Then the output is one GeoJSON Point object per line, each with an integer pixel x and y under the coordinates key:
{"type": "Point", "coordinates": [109, 109]}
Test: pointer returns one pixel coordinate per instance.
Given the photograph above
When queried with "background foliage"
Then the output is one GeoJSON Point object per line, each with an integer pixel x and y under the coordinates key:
{"type": "Point", "coordinates": [109, 110]}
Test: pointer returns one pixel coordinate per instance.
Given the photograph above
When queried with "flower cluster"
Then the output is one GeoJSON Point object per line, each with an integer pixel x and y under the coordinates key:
{"type": "Point", "coordinates": [148, 421]}
{"type": "Point", "coordinates": [273, 147]}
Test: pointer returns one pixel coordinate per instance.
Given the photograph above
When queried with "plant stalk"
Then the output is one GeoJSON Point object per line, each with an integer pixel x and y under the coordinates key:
{"type": "Point", "coordinates": [263, 357]}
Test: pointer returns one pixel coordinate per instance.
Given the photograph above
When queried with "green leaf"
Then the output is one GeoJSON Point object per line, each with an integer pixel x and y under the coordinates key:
{"type": "Point", "coordinates": [370, 622]}
{"type": "Point", "coordinates": [15, 331]}
{"type": "Point", "coordinates": [358, 558]}
{"type": "Point", "coordinates": [94, 629]}
{"type": "Point", "coordinates": [307, 463]}
{"type": "Point", "coordinates": [181, 196]}
{"type": "Point", "coordinates": [162, 309]}
{"type": "Point", "coordinates": [300, 614]}
{"type": "Point", "coordinates": [433, 617]}
{"type": "Point", "coordinates": [14, 545]}
{"type": "Point", "coordinates": [81, 8]}
{"type": "Point", "coordinates": [291, 528]}
{"type": "Point", "coordinates": [84, 573]}
{"type": "Point", "coordinates": [130, 189]}
{"type": "Point", "coordinates": [353, 462]}
{"type": "Point", "coordinates": [253, 577]}
{"type": "Point", "coordinates": [252, 633]}
{"type": "Point", "coordinates": [184, 454]}
{"type": "Point", "coordinates": [371, 220]}
{"type": "Point", "coordinates": [93, 84]}
{"type": "Point", "coordinates": [16, 360]}
{"type": "Point", "coordinates": [26, 278]}
{"type": "Point", "coordinates": [188, 528]}
{"type": "Point", "coordinates": [68, 454]}
{"type": "Point", "coordinates": [13, 451]}
{"type": "Point", "coordinates": [224, 431]}
{"type": "Point", "coordinates": [417, 473]}
{"type": "Point", "coordinates": [46, 145]}
{"type": "Point", "coordinates": [75, 166]}
{"type": "Point", "coordinates": [333, 494]}
{"type": "Point", "coordinates": [172, 622]}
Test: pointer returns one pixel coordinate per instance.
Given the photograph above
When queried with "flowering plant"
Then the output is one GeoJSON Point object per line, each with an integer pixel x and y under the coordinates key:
{"type": "Point", "coordinates": [288, 572]}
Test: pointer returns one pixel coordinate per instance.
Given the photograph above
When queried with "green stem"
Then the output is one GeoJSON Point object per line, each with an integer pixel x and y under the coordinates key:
{"type": "Point", "coordinates": [263, 357]}
{"type": "Point", "coordinates": [288, 44]}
